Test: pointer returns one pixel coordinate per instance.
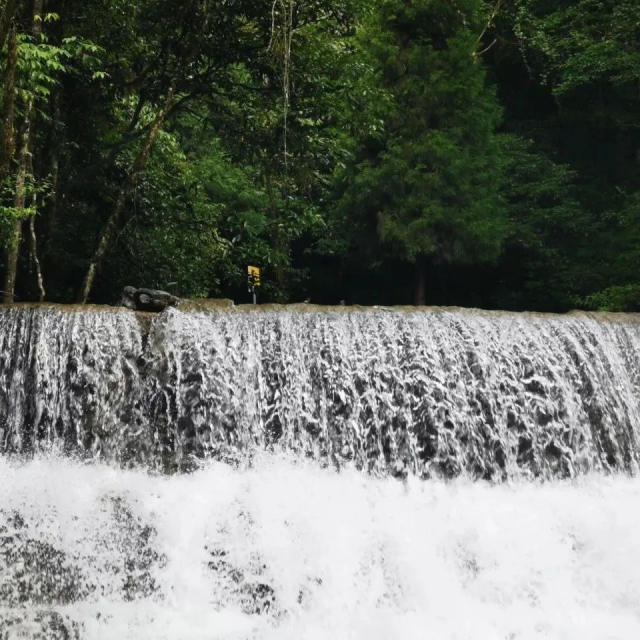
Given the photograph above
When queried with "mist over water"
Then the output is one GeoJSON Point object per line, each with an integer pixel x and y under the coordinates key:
{"type": "Point", "coordinates": [445, 475]}
{"type": "Point", "coordinates": [286, 550]}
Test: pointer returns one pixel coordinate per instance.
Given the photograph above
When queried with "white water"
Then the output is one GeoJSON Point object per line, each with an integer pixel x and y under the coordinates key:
{"type": "Point", "coordinates": [426, 392]}
{"type": "Point", "coordinates": [277, 547]}
{"type": "Point", "coordinates": [347, 556]}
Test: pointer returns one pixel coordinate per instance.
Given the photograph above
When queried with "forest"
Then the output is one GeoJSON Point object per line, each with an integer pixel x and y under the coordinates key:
{"type": "Point", "coordinates": [481, 153]}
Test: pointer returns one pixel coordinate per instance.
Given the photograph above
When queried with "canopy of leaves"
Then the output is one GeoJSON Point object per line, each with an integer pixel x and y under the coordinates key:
{"type": "Point", "coordinates": [334, 144]}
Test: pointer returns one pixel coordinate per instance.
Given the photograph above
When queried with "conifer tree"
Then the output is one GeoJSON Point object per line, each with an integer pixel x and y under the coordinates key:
{"type": "Point", "coordinates": [432, 185]}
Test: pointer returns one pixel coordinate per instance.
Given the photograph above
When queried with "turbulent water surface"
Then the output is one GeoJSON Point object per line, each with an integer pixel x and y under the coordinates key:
{"type": "Point", "coordinates": [286, 550]}
{"type": "Point", "coordinates": [432, 474]}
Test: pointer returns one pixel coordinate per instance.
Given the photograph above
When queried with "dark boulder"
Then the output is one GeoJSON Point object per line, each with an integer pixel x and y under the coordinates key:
{"type": "Point", "coordinates": [127, 299]}
{"type": "Point", "coordinates": [147, 299]}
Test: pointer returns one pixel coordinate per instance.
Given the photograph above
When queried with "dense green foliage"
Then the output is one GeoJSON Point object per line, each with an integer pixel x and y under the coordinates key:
{"type": "Point", "coordinates": [465, 152]}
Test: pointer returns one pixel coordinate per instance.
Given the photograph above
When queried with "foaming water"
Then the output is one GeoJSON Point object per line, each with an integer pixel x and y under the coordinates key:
{"type": "Point", "coordinates": [284, 549]}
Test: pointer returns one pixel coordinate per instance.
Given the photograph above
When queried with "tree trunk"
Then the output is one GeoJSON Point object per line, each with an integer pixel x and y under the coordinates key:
{"type": "Point", "coordinates": [7, 146]}
{"type": "Point", "coordinates": [33, 249]}
{"type": "Point", "coordinates": [113, 221]}
{"type": "Point", "coordinates": [13, 251]}
{"type": "Point", "coordinates": [6, 20]}
{"type": "Point", "coordinates": [33, 240]}
{"type": "Point", "coordinates": [421, 283]}
{"type": "Point", "coordinates": [56, 143]}
{"type": "Point", "coordinates": [280, 243]}
{"type": "Point", "coordinates": [282, 248]}
{"type": "Point", "coordinates": [18, 204]}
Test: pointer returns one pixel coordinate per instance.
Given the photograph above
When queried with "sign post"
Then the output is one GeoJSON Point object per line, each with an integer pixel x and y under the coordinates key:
{"type": "Point", "coordinates": [253, 280]}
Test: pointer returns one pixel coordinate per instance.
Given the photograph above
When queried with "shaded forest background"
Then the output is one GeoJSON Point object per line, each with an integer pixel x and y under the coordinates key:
{"type": "Point", "coordinates": [455, 152]}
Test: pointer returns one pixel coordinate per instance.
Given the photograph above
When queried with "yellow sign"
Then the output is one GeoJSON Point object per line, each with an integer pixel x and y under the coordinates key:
{"type": "Point", "coordinates": [254, 275]}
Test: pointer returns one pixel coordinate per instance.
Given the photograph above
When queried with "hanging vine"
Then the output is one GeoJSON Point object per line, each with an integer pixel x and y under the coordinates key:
{"type": "Point", "coordinates": [280, 42]}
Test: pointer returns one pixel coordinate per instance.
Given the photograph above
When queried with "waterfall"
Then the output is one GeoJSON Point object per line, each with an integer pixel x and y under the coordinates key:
{"type": "Point", "coordinates": [352, 474]}
{"type": "Point", "coordinates": [407, 392]}
{"type": "Point", "coordinates": [68, 378]}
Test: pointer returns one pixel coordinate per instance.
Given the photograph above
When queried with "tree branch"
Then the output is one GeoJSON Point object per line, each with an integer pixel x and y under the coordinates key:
{"type": "Point", "coordinates": [479, 53]}
{"type": "Point", "coordinates": [490, 19]}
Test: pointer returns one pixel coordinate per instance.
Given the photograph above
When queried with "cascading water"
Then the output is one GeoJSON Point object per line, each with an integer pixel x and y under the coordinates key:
{"type": "Point", "coordinates": [260, 540]}
{"type": "Point", "coordinates": [68, 378]}
{"type": "Point", "coordinates": [420, 392]}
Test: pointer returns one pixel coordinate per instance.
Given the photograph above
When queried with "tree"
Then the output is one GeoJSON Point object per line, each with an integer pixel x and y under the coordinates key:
{"type": "Point", "coordinates": [545, 258]}
{"type": "Point", "coordinates": [489, 148]}
{"type": "Point", "coordinates": [587, 55]}
{"type": "Point", "coordinates": [432, 181]}
{"type": "Point", "coordinates": [33, 69]}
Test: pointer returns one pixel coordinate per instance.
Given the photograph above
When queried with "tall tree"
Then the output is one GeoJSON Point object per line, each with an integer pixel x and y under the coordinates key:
{"type": "Point", "coordinates": [432, 183]}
